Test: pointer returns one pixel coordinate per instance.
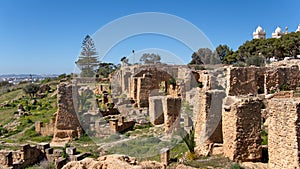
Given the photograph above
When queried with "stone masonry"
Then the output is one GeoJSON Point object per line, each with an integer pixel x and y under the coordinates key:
{"type": "Point", "coordinates": [284, 133]}
{"type": "Point", "coordinates": [278, 78]}
{"type": "Point", "coordinates": [245, 80]}
{"type": "Point", "coordinates": [171, 107]}
{"type": "Point", "coordinates": [67, 125]}
{"type": "Point", "coordinates": [241, 128]}
{"type": "Point", "coordinates": [156, 113]}
{"type": "Point", "coordinates": [208, 127]}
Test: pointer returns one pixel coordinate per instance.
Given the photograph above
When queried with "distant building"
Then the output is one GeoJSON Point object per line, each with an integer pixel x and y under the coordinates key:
{"type": "Point", "coordinates": [259, 33]}
{"type": "Point", "coordinates": [298, 29]}
{"type": "Point", "coordinates": [278, 33]}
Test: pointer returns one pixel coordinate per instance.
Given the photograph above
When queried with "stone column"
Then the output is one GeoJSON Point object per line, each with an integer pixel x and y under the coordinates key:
{"type": "Point", "coordinates": [172, 108]}
{"type": "Point", "coordinates": [284, 133]}
{"type": "Point", "coordinates": [208, 126]}
{"type": "Point", "coordinates": [165, 156]}
{"type": "Point", "coordinates": [156, 113]}
{"type": "Point", "coordinates": [241, 121]}
{"type": "Point", "coordinates": [113, 124]}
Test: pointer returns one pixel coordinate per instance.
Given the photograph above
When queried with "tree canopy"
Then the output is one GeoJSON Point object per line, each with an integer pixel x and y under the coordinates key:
{"type": "Point", "coordinates": [88, 59]}
{"type": "Point", "coordinates": [150, 58]}
{"type": "Point", "coordinates": [286, 46]}
{"type": "Point", "coordinates": [31, 89]}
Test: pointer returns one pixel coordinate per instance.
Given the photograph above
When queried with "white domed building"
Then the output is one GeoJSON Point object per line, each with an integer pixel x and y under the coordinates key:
{"type": "Point", "coordinates": [259, 33]}
{"type": "Point", "coordinates": [278, 33]}
{"type": "Point", "coordinates": [298, 29]}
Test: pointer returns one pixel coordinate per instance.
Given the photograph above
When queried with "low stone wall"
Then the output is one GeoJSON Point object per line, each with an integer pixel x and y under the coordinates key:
{"type": "Point", "coordinates": [27, 155]}
{"type": "Point", "coordinates": [284, 133]}
{"type": "Point", "coordinates": [241, 124]}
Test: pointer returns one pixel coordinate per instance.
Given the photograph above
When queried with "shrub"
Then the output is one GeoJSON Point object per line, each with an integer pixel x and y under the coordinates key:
{"type": "Point", "coordinates": [256, 61]}
{"type": "Point", "coordinates": [31, 89]}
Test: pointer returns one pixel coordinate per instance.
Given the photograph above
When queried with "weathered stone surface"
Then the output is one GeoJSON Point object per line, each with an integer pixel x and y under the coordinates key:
{"type": "Point", "coordinates": [282, 78]}
{"type": "Point", "coordinates": [208, 127]}
{"type": "Point", "coordinates": [241, 124]}
{"type": "Point", "coordinates": [66, 123]}
{"type": "Point", "coordinates": [113, 162]}
{"type": "Point", "coordinates": [245, 80]}
{"type": "Point", "coordinates": [156, 113]}
{"type": "Point", "coordinates": [172, 108]}
{"type": "Point", "coordinates": [284, 133]}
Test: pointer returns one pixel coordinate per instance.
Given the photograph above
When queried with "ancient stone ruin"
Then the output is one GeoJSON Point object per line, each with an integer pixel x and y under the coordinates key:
{"type": "Point", "coordinates": [67, 126]}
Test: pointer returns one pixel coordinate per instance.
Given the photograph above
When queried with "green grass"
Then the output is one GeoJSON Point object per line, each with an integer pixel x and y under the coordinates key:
{"type": "Point", "coordinates": [264, 137]}
{"type": "Point", "coordinates": [6, 115]}
{"type": "Point", "coordinates": [217, 161]}
{"type": "Point", "coordinates": [11, 95]}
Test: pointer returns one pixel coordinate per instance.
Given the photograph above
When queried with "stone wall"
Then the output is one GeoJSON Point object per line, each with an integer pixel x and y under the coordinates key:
{"type": "Point", "coordinates": [245, 80]}
{"type": "Point", "coordinates": [282, 78]}
{"type": "Point", "coordinates": [45, 129]}
{"type": "Point", "coordinates": [156, 113]}
{"type": "Point", "coordinates": [284, 133]}
{"type": "Point", "coordinates": [25, 156]}
{"type": "Point", "coordinates": [172, 108]}
{"type": "Point", "coordinates": [145, 82]}
{"type": "Point", "coordinates": [67, 125]}
{"type": "Point", "coordinates": [241, 125]}
{"type": "Point", "coordinates": [208, 127]}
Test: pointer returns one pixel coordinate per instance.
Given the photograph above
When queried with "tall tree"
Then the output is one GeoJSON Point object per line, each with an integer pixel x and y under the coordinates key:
{"type": "Point", "coordinates": [222, 51]}
{"type": "Point", "coordinates": [88, 59]}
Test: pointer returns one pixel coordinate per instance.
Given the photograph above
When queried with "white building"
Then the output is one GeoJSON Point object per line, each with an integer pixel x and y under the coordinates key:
{"type": "Point", "coordinates": [298, 29]}
{"type": "Point", "coordinates": [259, 33]}
{"type": "Point", "coordinates": [278, 33]}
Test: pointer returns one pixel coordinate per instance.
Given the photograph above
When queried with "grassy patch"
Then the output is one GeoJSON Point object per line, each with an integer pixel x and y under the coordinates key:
{"type": "Point", "coordinates": [264, 137]}
{"type": "Point", "coordinates": [210, 162]}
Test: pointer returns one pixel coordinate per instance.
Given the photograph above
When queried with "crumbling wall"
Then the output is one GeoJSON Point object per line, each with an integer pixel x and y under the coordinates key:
{"type": "Point", "coordinates": [67, 125]}
{"type": "Point", "coordinates": [241, 125]}
{"type": "Point", "coordinates": [245, 80]}
{"type": "Point", "coordinates": [27, 155]}
{"type": "Point", "coordinates": [281, 78]}
{"type": "Point", "coordinates": [146, 81]}
{"type": "Point", "coordinates": [208, 127]}
{"type": "Point", "coordinates": [284, 133]}
{"type": "Point", "coordinates": [46, 129]}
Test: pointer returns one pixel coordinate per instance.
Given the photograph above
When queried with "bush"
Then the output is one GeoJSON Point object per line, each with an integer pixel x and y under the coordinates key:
{"type": "Point", "coordinates": [256, 61]}
{"type": "Point", "coordinates": [236, 166]}
{"type": "Point", "coordinates": [31, 89]}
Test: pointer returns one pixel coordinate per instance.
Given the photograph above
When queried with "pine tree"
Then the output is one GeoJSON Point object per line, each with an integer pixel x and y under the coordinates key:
{"type": "Point", "coordinates": [88, 59]}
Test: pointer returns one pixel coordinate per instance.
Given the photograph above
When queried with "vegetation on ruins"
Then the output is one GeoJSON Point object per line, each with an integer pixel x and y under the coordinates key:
{"type": "Point", "coordinates": [189, 140]}
{"type": "Point", "coordinates": [88, 59]}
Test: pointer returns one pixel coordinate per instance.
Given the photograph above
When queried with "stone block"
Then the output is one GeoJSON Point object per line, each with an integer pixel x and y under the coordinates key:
{"type": "Point", "coordinates": [156, 113]}
{"type": "Point", "coordinates": [71, 150]}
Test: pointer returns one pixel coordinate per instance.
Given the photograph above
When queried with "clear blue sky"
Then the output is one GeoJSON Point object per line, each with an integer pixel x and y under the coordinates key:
{"type": "Point", "coordinates": [45, 36]}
